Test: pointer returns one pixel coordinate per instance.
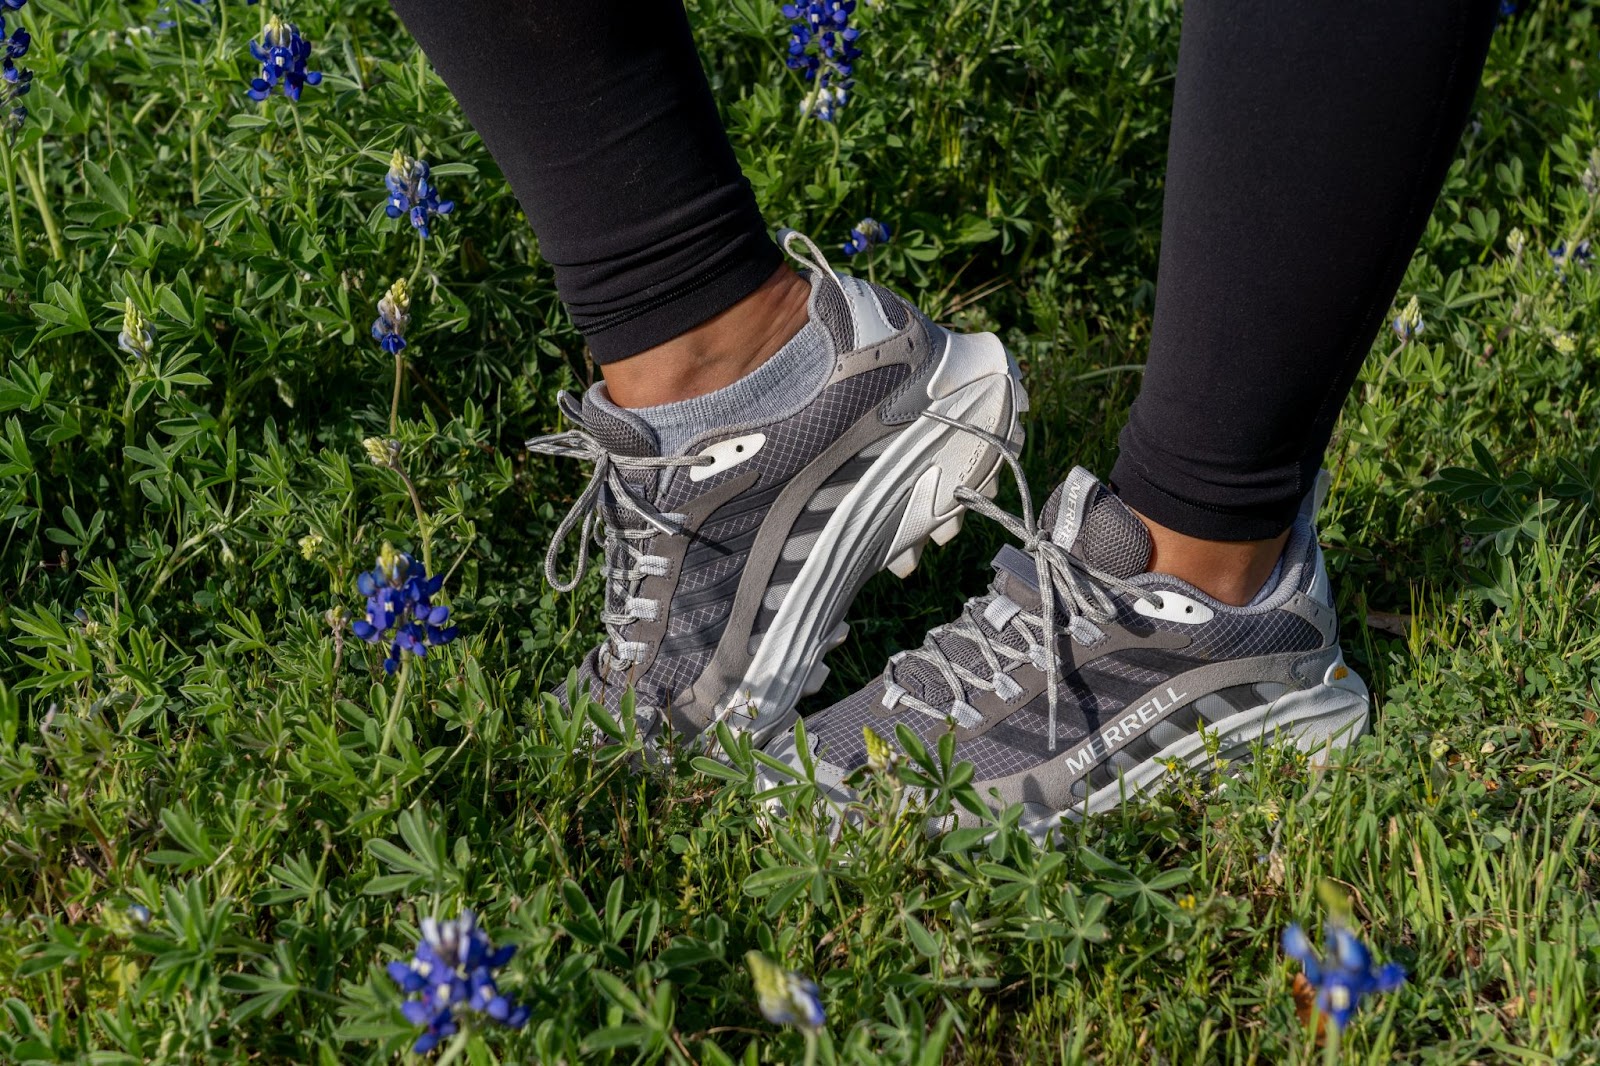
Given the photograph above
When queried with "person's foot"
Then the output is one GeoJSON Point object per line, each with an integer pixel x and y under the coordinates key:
{"type": "Point", "coordinates": [730, 564]}
{"type": "Point", "coordinates": [1146, 673]}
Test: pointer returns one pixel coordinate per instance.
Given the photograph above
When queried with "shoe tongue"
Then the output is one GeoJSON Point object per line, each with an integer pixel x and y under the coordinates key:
{"type": "Point", "coordinates": [1095, 526]}
{"type": "Point", "coordinates": [1092, 524]}
{"type": "Point", "coordinates": [616, 428]}
{"type": "Point", "coordinates": [620, 432]}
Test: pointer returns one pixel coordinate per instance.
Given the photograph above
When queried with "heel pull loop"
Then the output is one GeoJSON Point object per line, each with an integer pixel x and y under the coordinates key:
{"type": "Point", "coordinates": [803, 250]}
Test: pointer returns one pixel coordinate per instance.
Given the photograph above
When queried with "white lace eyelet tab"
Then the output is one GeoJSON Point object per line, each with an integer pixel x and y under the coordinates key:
{"type": "Point", "coordinates": [1006, 687]}
{"type": "Point", "coordinates": [891, 695]}
{"type": "Point", "coordinates": [643, 609]}
{"type": "Point", "coordinates": [1001, 610]}
{"type": "Point", "coordinates": [631, 651]}
{"type": "Point", "coordinates": [1085, 632]}
{"type": "Point", "coordinates": [965, 715]}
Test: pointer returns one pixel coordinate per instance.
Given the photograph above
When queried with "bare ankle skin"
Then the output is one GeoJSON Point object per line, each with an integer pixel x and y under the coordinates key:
{"type": "Point", "coordinates": [717, 352]}
{"type": "Point", "coordinates": [1232, 571]}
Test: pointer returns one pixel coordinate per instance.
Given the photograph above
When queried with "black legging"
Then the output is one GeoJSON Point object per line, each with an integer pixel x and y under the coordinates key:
{"type": "Point", "coordinates": [1309, 142]}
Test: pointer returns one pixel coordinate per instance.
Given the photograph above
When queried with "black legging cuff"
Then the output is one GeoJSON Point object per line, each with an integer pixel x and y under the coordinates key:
{"type": "Point", "coordinates": [1172, 493]}
{"type": "Point", "coordinates": [717, 281]}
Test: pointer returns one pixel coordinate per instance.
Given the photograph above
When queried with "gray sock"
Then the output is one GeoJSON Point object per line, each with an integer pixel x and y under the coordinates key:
{"type": "Point", "coordinates": [1271, 586]}
{"type": "Point", "coordinates": [780, 386]}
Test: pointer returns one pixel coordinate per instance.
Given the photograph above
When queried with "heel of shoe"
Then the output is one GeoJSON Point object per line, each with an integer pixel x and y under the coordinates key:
{"type": "Point", "coordinates": [1322, 719]}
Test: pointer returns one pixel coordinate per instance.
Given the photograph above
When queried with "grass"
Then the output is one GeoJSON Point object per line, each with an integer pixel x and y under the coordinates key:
{"type": "Point", "coordinates": [181, 728]}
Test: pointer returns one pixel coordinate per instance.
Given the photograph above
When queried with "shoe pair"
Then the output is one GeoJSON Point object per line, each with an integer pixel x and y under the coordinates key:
{"type": "Point", "coordinates": [1079, 678]}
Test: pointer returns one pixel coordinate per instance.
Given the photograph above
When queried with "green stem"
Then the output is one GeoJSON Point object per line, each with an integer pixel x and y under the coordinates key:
{"type": "Point", "coordinates": [424, 527]}
{"type": "Point", "coordinates": [400, 359]}
{"type": "Point", "coordinates": [128, 442]}
{"type": "Point", "coordinates": [394, 404]}
{"type": "Point", "coordinates": [11, 200]}
{"type": "Point", "coordinates": [397, 700]}
{"type": "Point", "coordinates": [811, 1047]}
{"type": "Point", "coordinates": [194, 126]}
{"type": "Point", "coordinates": [194, 163]}
{"type": "Point", "coordinates": [222, 33]}
{"type": "Point", "coordinates": [808, 105]}
{"type": "Point", "coordinates": [459, 1044]}
{"type": "Point", "coordinates": [416, 272]}
{"type": "Point", "coordinates": [36, 187]}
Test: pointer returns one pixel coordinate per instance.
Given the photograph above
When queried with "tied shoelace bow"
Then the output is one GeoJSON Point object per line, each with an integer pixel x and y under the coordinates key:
{"type": "Point", "coordinates": [1085, 590]}
{"type": "Point", "coordinates": [609, 469]}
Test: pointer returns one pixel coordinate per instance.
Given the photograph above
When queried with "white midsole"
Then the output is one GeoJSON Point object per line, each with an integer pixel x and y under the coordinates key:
{"type": "Point", "coordinates": [990, 399]}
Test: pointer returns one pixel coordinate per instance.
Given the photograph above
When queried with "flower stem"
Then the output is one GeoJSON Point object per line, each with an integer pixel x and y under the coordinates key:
{"type": "Point", "coordinates": [811, 1047]}
{"type": "Point", "coordinates": [453, 1052]}
{"type": "Point", "coordinates": [397, 699]}
{"type": "Point", "coordinates": [36, 187]}
{"type": "Point", "coordinates": [305, 153]}
{"type": "Point", "coordinates": [424, 527]}
{"type": "Point", "coordinates": [128, 441]}
{"type": "Point", "coordinates": [194, 124]}
{"type": "Point", "coordinates": [222, 33]}
{"type": "Point", "coordinates": [11, 200]}
{"type": "Point", "coordinates": [416, 272]}
{"type": "Point", "coordinates": [394, 404]}
{"type": "Point", "coordinates": [399, 358]}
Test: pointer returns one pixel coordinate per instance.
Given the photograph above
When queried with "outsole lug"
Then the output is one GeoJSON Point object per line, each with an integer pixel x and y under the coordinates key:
{"type": "Point", "coordinates": [947, 532]}
{"type": "Point", "coordinates": [815, 680]}
{"type": "Point", "coordinates": [905, 564]}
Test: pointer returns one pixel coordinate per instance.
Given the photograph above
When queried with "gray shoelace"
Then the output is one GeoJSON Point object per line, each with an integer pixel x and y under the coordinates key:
{"type": "Point", "coordinates": [1084, 589]}
{"type": "Point", "coordinates": [628, 540]}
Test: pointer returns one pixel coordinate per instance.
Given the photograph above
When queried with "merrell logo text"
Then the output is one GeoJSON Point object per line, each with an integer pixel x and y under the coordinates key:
{"type": "Point", "coordinates": [1098, 747]}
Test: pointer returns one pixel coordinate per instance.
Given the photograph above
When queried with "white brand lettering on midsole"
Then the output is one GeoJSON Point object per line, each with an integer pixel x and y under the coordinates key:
{"type": "Point", "coordinates": [1097, 748]}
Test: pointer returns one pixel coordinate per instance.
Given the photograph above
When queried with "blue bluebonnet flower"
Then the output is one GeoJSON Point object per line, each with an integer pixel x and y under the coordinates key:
{"type": "Point", "coordinates": [394, 315]}
{"type": "Point", "coordinates": [139, 913]}
{"type": "Point", "coordinates": [867, 234]}
{"type": "Point", "coordinates": [282, 54]}
{"type": "Point", "coordinates": [1581, 254]}
{"type": "Point", "coordinates": [1345, 975]}
{"type": "Point", "coordinates": [1507, 9]}
{"type": "Point", "coordinates": [1408, 323]}
{"type": "Point", "coordinates": [15, 81]}
{"type": "Point", "coordinates": [166, 9]}
{"type": "Point", "coordinates": [822, 44]}
{"type": "Point", "coordinates": [411, 193]}
{"type": "Point", "coordinates": [399, 596]}
{"type": "Point", "coordinates": [785, 998]}
{"type": "Point", "coordinates": [136, 337]}
{"type": "Point", "coordinates": [454, 969]}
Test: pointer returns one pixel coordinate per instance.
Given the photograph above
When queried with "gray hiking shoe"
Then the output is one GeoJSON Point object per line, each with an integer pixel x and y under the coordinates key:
{"type": "Point", "coordinates": [1138, 666]}
{"type": "Point", "coordinates": [729, 568]}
